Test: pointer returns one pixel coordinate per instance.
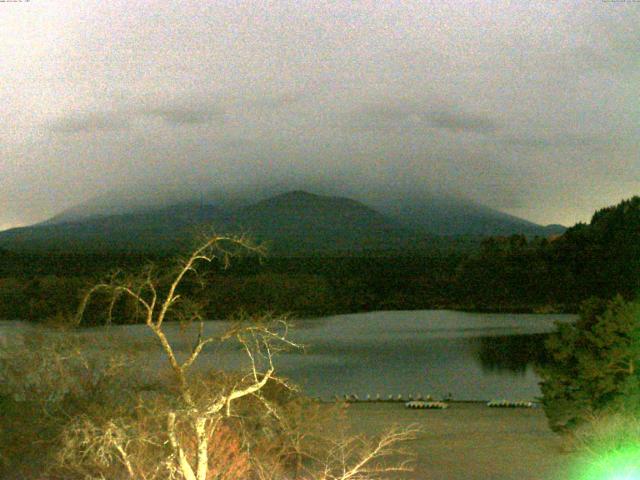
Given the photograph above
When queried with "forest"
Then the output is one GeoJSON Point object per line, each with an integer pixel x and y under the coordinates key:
{"type": "Point", "coordinates": [502, 274]}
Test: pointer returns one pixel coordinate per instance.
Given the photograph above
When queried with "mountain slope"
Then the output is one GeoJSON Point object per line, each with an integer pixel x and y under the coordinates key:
{"type": "Point", "coordinates": [160, 229]}
{"type": "Point", "coordinates": [292, 223]}
{"type": "Point", "coordinates": [449, 216]}
{"type": "Point", "coordinates": [301, 221]}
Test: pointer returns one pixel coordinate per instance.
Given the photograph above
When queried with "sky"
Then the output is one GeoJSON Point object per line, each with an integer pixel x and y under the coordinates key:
{"type": "Point", "coordinates": [529, 107]}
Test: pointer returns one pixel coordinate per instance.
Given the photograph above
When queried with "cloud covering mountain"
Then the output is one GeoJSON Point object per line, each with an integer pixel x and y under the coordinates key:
{"type": "Point", "coordinates": [527, 107]}
{"type": "Point", "coordinates": [290, 223]}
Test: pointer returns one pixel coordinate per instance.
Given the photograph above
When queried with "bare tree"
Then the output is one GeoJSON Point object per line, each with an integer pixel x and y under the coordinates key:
{"type": "Point", "coordinates": [199, 414]}
{"type": "Point", "coordinates": [259, 341]}
{"type": "Point", "coordinates": [357, 458]}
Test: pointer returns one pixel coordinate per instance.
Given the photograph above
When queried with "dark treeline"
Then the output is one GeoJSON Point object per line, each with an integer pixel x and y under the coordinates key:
{"type": "Point", "coordinates": [599, 259]}
{"type": "Point", "coordinates": [513, 273]}
{"type": "Point", "coordinates": [40, 286]}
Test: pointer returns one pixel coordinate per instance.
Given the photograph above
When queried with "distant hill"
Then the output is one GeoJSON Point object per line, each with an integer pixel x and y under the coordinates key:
{"type": "Point", "coordinates": [160, 229]}
{"type": "Point", "coordinates": [295, 223]}
{"type": "Point", "coordinates": [292, 223]}
{"type": "Point", "coordinates": [451, 216]}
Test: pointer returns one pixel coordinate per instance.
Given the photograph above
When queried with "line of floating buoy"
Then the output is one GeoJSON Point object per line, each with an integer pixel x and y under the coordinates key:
{"type": "Point", "coordinates": [353, 398]}
{"type": "Point", "coordinates": [509, 404]}
{"type": "Point", "coordinates": [427, 401]}
{"type": "Point", "coordinates": [433, 405]}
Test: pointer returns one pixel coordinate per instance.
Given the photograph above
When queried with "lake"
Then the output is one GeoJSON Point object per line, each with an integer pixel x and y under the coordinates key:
{"type": "Point", "coordinates": [469, 356]}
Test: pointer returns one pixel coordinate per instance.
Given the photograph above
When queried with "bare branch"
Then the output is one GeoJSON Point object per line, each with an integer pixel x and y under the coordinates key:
{"type": "Point", "coordinates": [87, 296]}
{"type": "Point", "coordinates": [236, 394]}
{"type": "Point", "coordinates": [183, 462]}
{"type": "Point", "coordinates": [135, 295]}
{"type": "Point", "coordinates": [354, 459]}
{"type": "Point", "coordinates": [196, 351]}
{"type": "Point", "coordinates": [114, 299]}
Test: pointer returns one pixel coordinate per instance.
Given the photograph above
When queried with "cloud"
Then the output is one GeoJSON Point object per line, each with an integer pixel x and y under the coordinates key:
{"type": "Point", "coordinates": [173, 114]}
{"type": "Point", "coordinates": [462, 122]}
{"type": "Point", "coordinates": [89, 122]}
{"type": "Point", "coordinates": [564, 140]}
{"type": "Point", "coordinates": [483, 98]}
{"type": "Point", "coordinates": [180, 115]}
{"type": "Point", "coordinates": [277, 101]}
{"type": "Point", "coordinates": [412, 116]}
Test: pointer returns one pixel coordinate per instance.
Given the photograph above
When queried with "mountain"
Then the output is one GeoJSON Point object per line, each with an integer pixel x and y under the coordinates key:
{"type": "Point", "coordinates": [295, 222]}
{"type": "Point", "coordinates": [299, 220]}
{"type": "Point", "coordinates": [292, 223]}
{"type": "Point", "coordinates": [153, 230]}
{"type": "Point", "coordinates": [451, 216]}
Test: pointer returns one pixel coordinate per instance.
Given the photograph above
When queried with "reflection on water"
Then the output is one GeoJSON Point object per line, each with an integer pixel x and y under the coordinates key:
{"type": "Point", "coordinates": [468, 355]}
{"type": "Point", "coordinates": [513, 353]}
{"type": "Point", "coordinates": [471, 356]}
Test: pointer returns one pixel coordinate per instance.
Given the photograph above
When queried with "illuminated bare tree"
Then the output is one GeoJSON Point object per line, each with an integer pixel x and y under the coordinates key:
{"type": "Point", "coordinates": [197, 417]}
{"type": "Point", "coordinates": [259, 341]}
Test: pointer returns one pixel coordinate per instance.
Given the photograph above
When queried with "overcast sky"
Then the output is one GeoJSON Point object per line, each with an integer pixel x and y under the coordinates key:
{"type": "Point", "coordinates": [530, 107]}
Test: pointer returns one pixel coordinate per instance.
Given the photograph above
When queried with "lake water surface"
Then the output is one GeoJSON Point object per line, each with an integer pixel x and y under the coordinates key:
{"type": "Point", "coordinates": [470, 356]}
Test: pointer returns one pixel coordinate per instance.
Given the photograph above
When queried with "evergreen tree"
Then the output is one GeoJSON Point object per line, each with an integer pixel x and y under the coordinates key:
{"type": "Point", "coordinates": [594, 363]}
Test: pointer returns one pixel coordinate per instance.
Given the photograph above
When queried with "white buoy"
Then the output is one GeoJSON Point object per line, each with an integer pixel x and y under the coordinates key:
{"type": "Point", "coordinates": [427, 405]}
{"type": "Point", "coordinates": [509, 404]}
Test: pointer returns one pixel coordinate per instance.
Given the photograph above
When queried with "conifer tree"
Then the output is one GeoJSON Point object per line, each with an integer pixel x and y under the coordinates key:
{"type": "Point", "coordinates": [594, 363]}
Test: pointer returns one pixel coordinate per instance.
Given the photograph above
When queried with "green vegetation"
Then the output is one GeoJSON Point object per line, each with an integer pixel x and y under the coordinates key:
{"type": "Point", "coordinates": [515, 274]}
{"type": "Point", "coordinates": [591, 390]}
{"type": "Point", "coordinates": [600, 259]}
{"type": "Point", "coordinates": [607, 447]}
{"type": "Point", "coordinates": [594, 364]}
{"type": "Point", "coordinates": [36, 287]}
{"type": "Point", "coordinates": [590, 378]}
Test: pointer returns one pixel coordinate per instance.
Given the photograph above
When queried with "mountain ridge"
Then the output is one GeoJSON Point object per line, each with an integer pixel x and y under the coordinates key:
{"type": "Point", "coordinates": [293, 222]}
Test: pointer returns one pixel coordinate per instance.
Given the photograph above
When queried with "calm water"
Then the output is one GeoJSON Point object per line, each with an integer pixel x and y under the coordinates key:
{"type": "Point", "coordinates": [468, 355]}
